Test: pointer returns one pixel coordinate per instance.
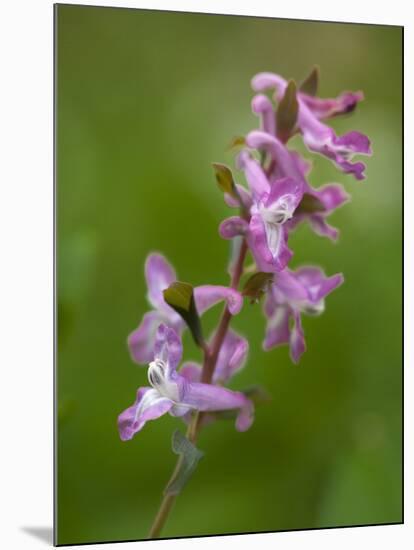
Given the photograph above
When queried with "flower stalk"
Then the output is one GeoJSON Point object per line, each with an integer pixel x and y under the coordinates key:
{"type": "Point", "coordinates": [209, 364]}
{"type": "Point", "coordinates": [277, 199]}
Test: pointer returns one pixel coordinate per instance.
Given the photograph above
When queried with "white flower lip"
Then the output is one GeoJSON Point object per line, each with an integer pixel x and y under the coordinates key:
{"type": "Point", "coordinates": [160, 381]}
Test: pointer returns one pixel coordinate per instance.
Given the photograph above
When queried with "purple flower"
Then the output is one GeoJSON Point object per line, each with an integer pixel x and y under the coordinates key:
{"type": "Point", "coordinates": [263, 107]}
{"type": "Point", "coordinates": [244, 195]}
{"type": "Point", "coordinates": [329, 197]}
{"type": "Point", "coordinates": [273, 204]}
{"type": "Point", "coordinates": [284, 163]}
{"type": "Point", "coordinates": [159, 275]}
{"type": "Point", "coordinates": [289, 163]}
{"type": "Point", "coordinates": [318, 137]}
{"type": "Point", "coordinates": [231, 359]}
{"type": "Point", "coordinates": [320, 108]}
{"type": "Point", "coordinates": [292, 294]}
{"type": "Point", "coordinates": [176, 394]}
{"type": "Point", "coordinates": [327, 108]}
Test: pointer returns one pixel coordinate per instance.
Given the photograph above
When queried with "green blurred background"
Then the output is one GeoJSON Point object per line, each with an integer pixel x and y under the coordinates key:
{"type": "Point", "coordinates": [146, 101]}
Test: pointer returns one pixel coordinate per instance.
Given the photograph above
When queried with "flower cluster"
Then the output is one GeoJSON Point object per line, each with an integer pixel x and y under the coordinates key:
{"type": "Point", "coordinates": [278, 198]}
{"type": "Point", "coordinates": [178, 393]}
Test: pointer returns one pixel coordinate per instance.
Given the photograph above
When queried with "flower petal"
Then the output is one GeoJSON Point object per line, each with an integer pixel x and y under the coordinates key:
{"type": "Point", "coordinates": [244, 195]}
{"type": "Point", "coordinates": [327, 108]}
{"type": "Point", "coordinates": [317, 136]}
{"type": "Point", "coordinates": [354, 142]}
{"type": "Point", "coordinates": [288, 190]}
{"type": "Point", "coordinates": [317, 284]}
{"type": "Point", "coordinates": [159, 275]}
{"type": "Point", "coordinates": [257, 241]}
{"type": "Point", "coordinates": [288, 288]}
{"type": "Point", "coordinates": [207, 296]}
{"type": "Point", "coordinates": [331, 195]}
{"type": "Point", "coordinates": [262, 106]}
{"type": "Point", "coordinates": [287, 165]}
{"type": "Point", "coordinates": [142, 340]}
{"type": "Point", "coordinates": [148, 406]}
{"type": "Point", "coordinates": [245, 417]}
{"type": "Point", "coordinates": [207, 397]}
{"type": "Point", "coordinates": [255, 176]}
{"type": "Point", "coordinates": [180, 410]}
{"type": "Point", "coordinates": [267, 243]}
{"type": "Point", "coordinates": [233, 227]}
{"type": "Point", "coordinates": [297, 338]}
{"type": "Point", "coordinates": [168, 347]}
{"type": "Point", "coordinates": [191, 371]}
{"type": "Point", "coordinates": [264, 81]}
{"type": "Point", "coordinates": [304, 166]}
{"type": "Point", "coordinates": [322, 228]}
{"type": "Point", "coordinates": [232, 357]}
{"type": "Point", "coordinates": [277, 328]}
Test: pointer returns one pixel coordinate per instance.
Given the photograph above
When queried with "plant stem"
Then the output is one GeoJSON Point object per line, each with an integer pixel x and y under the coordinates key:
{"type": "Point", "coordinates": [162, 515]}
{"type": "Point", "coordinates": [209, 364]}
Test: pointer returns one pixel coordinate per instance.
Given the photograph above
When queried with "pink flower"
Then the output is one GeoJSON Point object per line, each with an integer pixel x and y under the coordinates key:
{"type": "Point", "coordinates": [317, 136]}
{"type": "Point", "coordinates": [291, 294]}
{"type": "Point", "coordinates": [159, 275]}
{"type": "Point", "coordinates": [177, 392]}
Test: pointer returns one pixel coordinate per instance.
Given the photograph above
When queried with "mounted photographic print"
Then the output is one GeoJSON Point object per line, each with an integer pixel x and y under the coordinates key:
{"type": "Point", "coordinates": [228, 274]}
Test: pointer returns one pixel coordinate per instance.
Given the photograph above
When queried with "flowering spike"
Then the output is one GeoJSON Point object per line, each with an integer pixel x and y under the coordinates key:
{"type": "Point", "coordinates": [278, 197]}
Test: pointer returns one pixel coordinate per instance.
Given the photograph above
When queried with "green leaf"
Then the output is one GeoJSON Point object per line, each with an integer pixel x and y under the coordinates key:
{"type": "Point", "coordinates": [309, 205]}
{"type": "Point", "coordinates": [236, 142]}
{"type": "Point", "coordinates": [225, 179]}
{"type": "Point", "coordinates": [256, 285]}
{"type": "Point", "coordinates": [310, 85]}
{"type": "Point", "coordinates": [226, 183]}
{"type": "Point", "coordinates": [287, 112]}
{"type": "Point", "coordinates": [180, 296]}
{"type": "Point", "coordinates": [190, 457]}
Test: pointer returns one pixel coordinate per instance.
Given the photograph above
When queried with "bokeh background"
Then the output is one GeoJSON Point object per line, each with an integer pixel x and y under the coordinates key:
{"type": "Point", "coordinates": [146, 101]}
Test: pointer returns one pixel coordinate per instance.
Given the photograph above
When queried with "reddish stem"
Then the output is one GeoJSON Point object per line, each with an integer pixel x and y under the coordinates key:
{"type": "Point", "coordinates": [212, 355]}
